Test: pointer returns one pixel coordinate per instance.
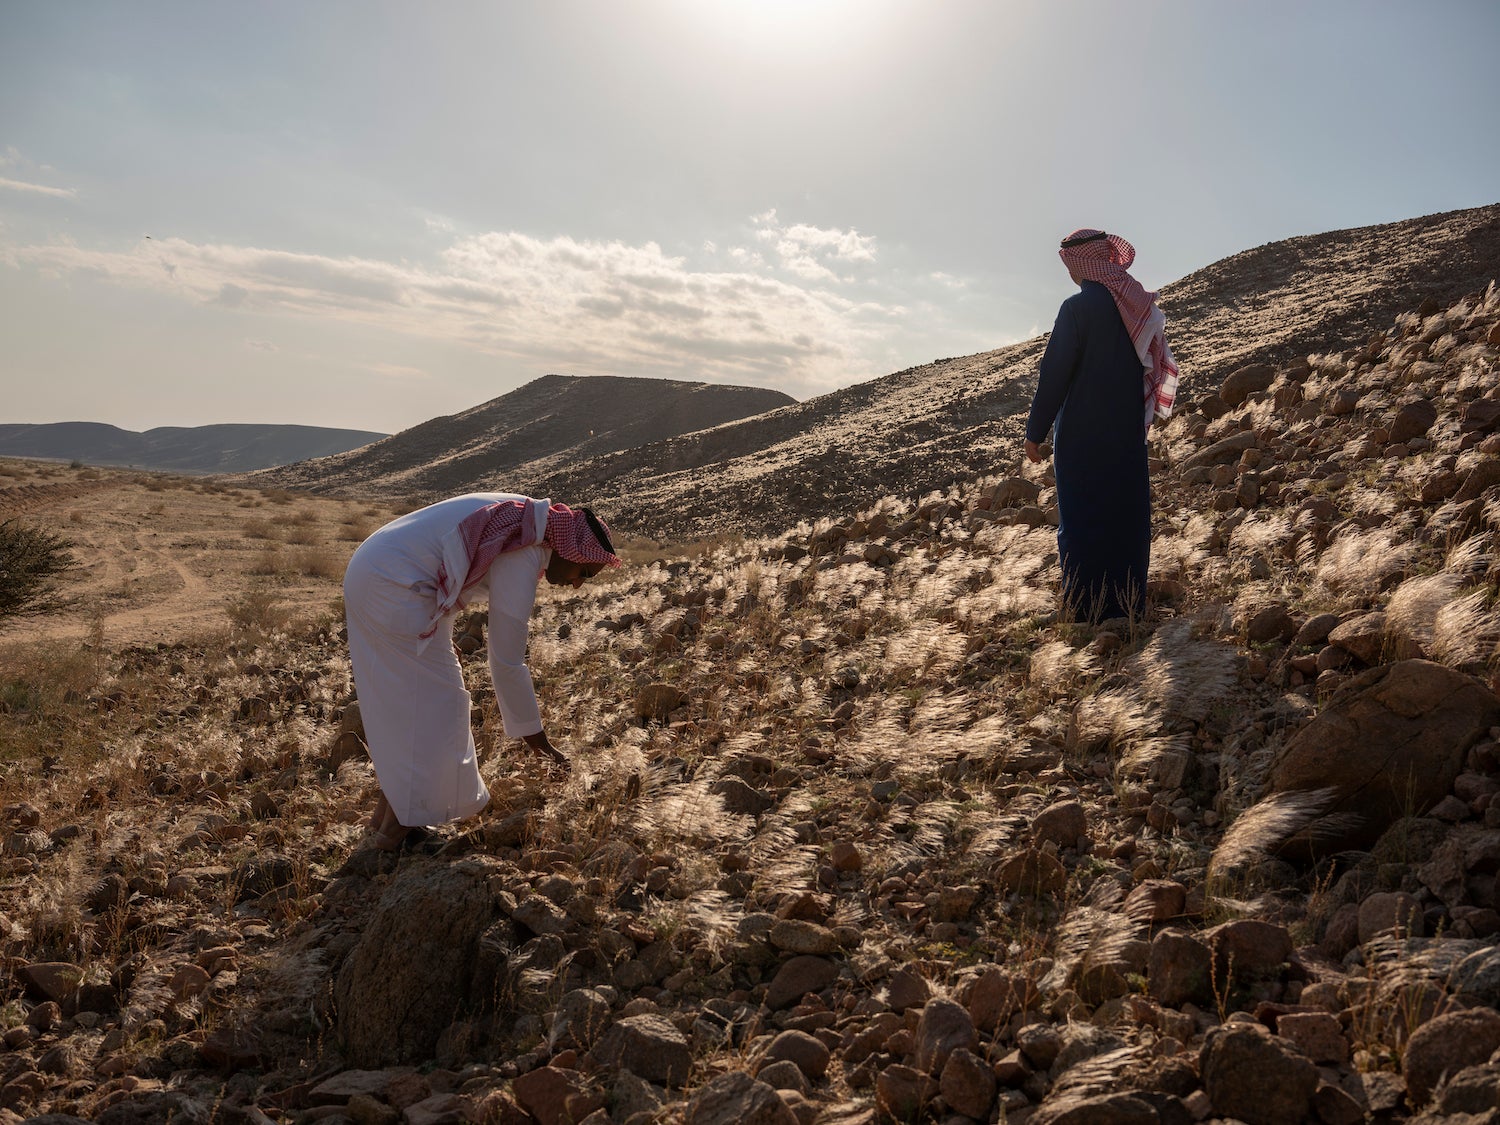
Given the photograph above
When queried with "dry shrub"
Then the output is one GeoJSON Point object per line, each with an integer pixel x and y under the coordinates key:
{"type": "Point", "coordinates": [317, 562]}
{"type": "Point", "coordinates": [257, 612]}
{"type": "Point", "coordinates": [356, 529]}
{"type": "Point", "coordinates": [302, 534]}
{"type": "Point", "coordinates": [270, 563]}
{"type": "Point", "coordinates": [258, 528]}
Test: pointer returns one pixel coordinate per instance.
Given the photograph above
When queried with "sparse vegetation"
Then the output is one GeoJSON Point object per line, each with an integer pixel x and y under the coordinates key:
{"type": "Point", "coordinates": [33, 565]}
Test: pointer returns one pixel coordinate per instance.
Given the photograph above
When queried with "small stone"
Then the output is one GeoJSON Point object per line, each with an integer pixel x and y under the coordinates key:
{"type": "Point", "coordinates": [809, 1054]}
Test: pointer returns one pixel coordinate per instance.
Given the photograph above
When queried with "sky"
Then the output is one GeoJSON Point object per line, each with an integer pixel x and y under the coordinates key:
{"type": "Point", "coordinates": [366, 214]}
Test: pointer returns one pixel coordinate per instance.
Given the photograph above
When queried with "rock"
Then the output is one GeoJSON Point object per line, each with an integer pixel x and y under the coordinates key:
{"type": "Point", "coordinates": [1363, 637]}
{"type": "Point", "coordinates": [1033, 873]}
{"type": "Point", "coordinates": [1252, 1075]}
{"type": "Point", "coordinates": [1318, 1035]}
{"type": "Point", "coordinates": [1222, 452]}
{"type": "Point", "coordinates": [1180, 969]}
{"type": "Point", "coordinates": [1390, 744]}
{"type": "Point", "coordinates": [51, 980]}
{"type": "Point", "coordinates": [1273, 623]}
{"type": "Point", "coordinates": [418, 962]}
{"type": "Point", "coordinates": [1480, 480]}
{"type": "Point", "coordinates": [907, 989]}
{"type": "Point", "coordinates": [995, 995]}
{"type": "Point", "coordinates": [581, 1018]}
{"type": "Point", "coordinates": [740, 797]}
{"type": "Point", "coordinates": [1475, 1089]}
{"type": "Point", "coordinates": [808, 1053]}
{"type": "Point", "coordinates": [1040, 1043]}
{"type": "Point", "coordinates": [1446, 1045]}
{"type": "Point", "coordinates": [648, 1046]}
{"type": "Point", "coordinates": [1013, 491]}
{"type": "Point", "coordinates": [347, 747]}
{"type": "Point", "coordinates": [968, 1084]}
{"type": "Point", "coordinates": [655, 702]}
{"type": "Point", "coordinates": [1245, 381]}
{"type": "Point", "coordinates": [944, 1028]}
{"type": "Point", "coordinates": [846, 857]}
{"type": "Point", "coordinates": [1412, 420]}
{"type": "Point", "coordinates": [1315, 629]}
{"type": "Point", "coordinates": [1382, 913]}
{"type": "Point", "coordinates": [799, 976]}
{"type": "Point", "coordinates": [1155, 900]}
{"type": "Point", "coordinates": [902, 1092]}
{"type": "Point", "coordinates": [545, 1093]}
{"type": "Point", "coordinates": [1062, 823]}
{"type": "Point", "coordinates": [782, 1076]}
{"type": "Point", "coordinates": [737, 1099]}
{"type": "Point", "coordinates": [793, 935]}
{"type": "Point", "coordinates": [1099, 1109]}
{"type": "Point", "coordinates": [1248, 947]}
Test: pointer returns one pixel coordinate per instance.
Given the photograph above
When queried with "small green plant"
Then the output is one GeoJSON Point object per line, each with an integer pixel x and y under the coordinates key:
{"type": "Point", "coordinates": [33, 563]}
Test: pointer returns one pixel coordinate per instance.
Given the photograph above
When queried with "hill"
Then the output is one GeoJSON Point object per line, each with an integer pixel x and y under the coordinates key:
{"type": "Point", "coordinates": [537, 429]}
{"type": "Point", "coordinates": [857, 830]}
{"type": "Point", "coordinates": [929, 426]}
{"type": "Point", "coordinates": [230, 448]}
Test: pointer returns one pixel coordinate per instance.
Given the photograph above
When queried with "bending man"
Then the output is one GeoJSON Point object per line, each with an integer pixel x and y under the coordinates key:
{"type": "Point", "coordinates": [402, 590]}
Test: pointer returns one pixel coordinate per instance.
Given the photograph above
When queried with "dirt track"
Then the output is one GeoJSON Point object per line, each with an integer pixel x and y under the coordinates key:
{"type": "Point", "coordinates": [163, 558]}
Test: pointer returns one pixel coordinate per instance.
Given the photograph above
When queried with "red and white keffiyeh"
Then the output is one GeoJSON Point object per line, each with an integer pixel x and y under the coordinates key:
{"type": "Point", "coordinates": [1105, 258]}
{"type": "Point", "coordinates": [510, 525]}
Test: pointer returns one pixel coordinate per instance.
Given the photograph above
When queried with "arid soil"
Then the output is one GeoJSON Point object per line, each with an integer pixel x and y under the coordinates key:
{"type": "Point", "coordinates": [857, 828]}
{"type": "Point", "coordinates": [163, 557]}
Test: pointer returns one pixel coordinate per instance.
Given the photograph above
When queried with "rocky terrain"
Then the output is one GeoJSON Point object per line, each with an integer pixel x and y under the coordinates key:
{"type": "Point", "coordinates": [549, 423]}
{"type": "Point", "coordinates": [953, 419]}
{"type": "Point", "coordinates": [857, 830]}
{"type": "Point", "coordinates": [232, 448]}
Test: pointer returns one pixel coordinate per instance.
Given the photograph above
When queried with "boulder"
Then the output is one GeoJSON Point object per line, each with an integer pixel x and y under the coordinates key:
{"type": "Point", "coordinates": [1223, 452]}
{"type": "Point", "coordinates": [799, 976]}
{"type": "Point", "coordinates": [1254, 1076]}
{"type": "Point", "coordinates": [1390, 744]}
{"type": "Point", "coordinates": [945, 1027]}
{"type": "Point", "coordinates": [968, 1084]}
{"type": "Point", "coordinates": [1412, 420]}
{"type": "Point", "coordinates": [737, 1099]}
{"type": "Point", "coordinates": [809, 1053]}
{"type": "Point", "coordinates": [1120, 1108]}
{"type": "Point", "coordinates": [1446, 1045]}
{"type": "Point", "coordinates": [649, 1046]}
{"type": "Point", "coordinates": [1245, 381]}
{"type": "Point", "coordinates": [418, 963]}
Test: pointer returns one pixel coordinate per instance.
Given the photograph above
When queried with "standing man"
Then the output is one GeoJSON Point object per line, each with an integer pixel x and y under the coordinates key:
{"type": "Point", "coordinates": [1106, 375]}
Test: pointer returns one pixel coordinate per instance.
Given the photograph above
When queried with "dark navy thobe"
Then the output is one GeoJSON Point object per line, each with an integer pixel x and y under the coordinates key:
{"type": "Point", "coordinates": [1091, 385]}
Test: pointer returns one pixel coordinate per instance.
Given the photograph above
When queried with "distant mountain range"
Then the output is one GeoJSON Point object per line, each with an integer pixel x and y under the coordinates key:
{"type": "Point", "coordinates": [226, 448]}
{"type": "Point", "coordinates": [541, 428]}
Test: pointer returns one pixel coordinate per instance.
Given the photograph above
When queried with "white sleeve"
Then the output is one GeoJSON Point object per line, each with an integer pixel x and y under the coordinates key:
{"type": "Point", "coordinates": [512, 585]}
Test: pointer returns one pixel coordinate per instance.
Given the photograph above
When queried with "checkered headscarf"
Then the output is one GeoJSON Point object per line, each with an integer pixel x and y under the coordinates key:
{"type": "Point", "coordinates": [510, 525]}
{"type": "Point", "coordinates": [1105, 258]}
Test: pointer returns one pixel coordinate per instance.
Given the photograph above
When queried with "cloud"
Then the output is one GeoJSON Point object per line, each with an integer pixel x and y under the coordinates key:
{"type": "Point", "coordinates": [38, 189]}
{"type": "Point", "coordinates": [595, 307]}
{"type": "Point", "coordinates": [805, 250]}
{"type": "Point", "coordinates": [260, 346]}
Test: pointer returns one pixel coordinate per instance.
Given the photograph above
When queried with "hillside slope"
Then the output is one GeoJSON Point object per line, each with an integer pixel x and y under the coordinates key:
{"type": "Point", "coordinates": [547, 424]}
{"type": "Point", "coordinates": [229, 448]}
{"type": "Point", "coordinates": [932, 425]}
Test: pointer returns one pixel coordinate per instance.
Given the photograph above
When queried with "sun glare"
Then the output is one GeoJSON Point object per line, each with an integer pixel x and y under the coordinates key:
{"type": "Point", "coordinates": [789, 28]}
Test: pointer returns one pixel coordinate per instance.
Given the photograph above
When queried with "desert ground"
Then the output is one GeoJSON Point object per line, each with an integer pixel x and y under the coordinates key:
{"type": "Point", "coordinates": [857, 828]}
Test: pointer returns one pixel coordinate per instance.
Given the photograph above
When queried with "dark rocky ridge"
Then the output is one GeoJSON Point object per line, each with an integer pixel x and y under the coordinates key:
{"type": "Point", "coordinates": [528, 433]}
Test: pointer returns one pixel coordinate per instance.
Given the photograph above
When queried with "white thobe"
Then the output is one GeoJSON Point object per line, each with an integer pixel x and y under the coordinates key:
{"type": "Point", "coordinates": [411, 691]}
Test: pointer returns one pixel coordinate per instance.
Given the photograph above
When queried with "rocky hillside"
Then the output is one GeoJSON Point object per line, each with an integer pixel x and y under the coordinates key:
{"type": "Point", "coordinates": [232, 448]}
{"type": "Point", "coordinates": [856, 830]}
{"type": "Point", "coordinates": [538, 429]}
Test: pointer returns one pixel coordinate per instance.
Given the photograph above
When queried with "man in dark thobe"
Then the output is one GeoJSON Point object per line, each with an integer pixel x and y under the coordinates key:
{"type": "Point", "coordinates": [1106, 375]}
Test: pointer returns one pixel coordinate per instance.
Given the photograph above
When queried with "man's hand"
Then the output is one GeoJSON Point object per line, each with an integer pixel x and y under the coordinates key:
{"type": "Point", "coordinates": [1033, 453]}
{"type": "Point", "coordinates": [539, 743]}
